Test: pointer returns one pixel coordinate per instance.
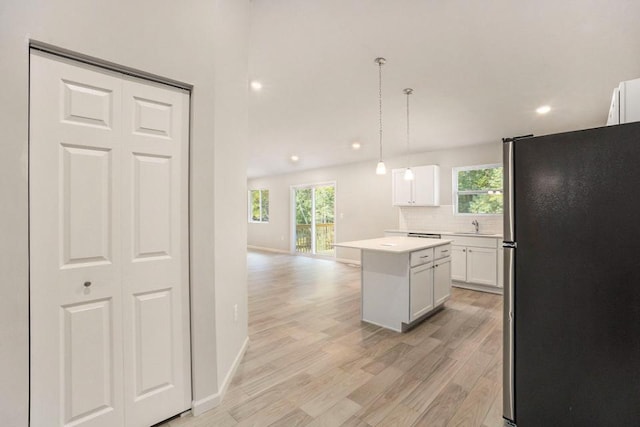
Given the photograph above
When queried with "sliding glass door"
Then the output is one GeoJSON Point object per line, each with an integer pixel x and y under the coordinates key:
{"type": "Point", "coordinates": [314, 219]}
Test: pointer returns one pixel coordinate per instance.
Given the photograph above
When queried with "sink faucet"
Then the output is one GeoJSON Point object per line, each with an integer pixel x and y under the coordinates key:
{"type": "Point", "coordinates": [476, 224]}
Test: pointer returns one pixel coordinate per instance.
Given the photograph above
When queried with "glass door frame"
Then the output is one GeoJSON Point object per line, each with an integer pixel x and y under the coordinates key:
{"type": "Point", "coordinates": [292, 220]}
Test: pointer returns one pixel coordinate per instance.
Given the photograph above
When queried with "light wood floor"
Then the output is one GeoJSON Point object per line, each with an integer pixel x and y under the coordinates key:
{"type": "Point", "coordinates": [312, 362]}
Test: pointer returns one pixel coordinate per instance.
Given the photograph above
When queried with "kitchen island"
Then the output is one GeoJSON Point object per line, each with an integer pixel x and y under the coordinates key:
{"type": "Point", "coordinates": [404, 279]}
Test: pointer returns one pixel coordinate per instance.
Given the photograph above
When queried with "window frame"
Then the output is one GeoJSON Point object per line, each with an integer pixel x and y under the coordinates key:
{"type": "Point", "coordinates": [250, 206]}
{"type": "Point", "coordinates": [454, 175]}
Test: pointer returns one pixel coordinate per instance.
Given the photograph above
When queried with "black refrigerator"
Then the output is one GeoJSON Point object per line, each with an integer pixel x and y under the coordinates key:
{"type": "Point", "coordinates": [572, 279]}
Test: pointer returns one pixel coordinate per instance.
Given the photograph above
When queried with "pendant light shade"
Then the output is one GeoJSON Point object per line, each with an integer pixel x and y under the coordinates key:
{"type": "Point", "coordinates": [408, 173]}
{"type": "Point", "coordinates": [380, 169]}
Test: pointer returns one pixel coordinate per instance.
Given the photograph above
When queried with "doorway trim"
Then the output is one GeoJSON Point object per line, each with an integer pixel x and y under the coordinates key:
{"type": "Point", "coordinates": [111, 66]}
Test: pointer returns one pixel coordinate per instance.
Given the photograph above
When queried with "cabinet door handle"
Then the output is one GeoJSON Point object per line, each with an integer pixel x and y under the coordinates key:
{"type": "Point", "coordinates": [470, 250]}
{"type": "Point", "coordinates": [464, 250]}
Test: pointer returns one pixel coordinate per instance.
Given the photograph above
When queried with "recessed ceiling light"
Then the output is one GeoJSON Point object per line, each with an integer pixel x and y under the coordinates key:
{"type": "Point", "coordinates": [355, 145]}
{"type": "Point", "coordinates": [543, 110]}
{"type": "Point", "coordinates": [294, 158]}
{"type": "Point", "coordinates": [255, 85]}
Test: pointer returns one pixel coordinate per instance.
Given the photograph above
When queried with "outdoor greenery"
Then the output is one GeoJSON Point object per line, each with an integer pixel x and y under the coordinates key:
{"type": "Point", "coordinates": [479, 191]}
{"type": "Point", "coordinates": [324, 219]}
{"type": "Point", "coordinates": [259, 205]}
{"type": "Point", "coordinates": [325, 202]}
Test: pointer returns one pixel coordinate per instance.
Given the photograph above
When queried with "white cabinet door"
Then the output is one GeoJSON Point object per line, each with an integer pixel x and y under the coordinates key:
{"type": "Point", "coordinates": [441, 281]}
{"type": "Point", "coordinates": [481, 266]}
{"type": "Point", "coordinates": [629, 101]}
{"type": "Point", "coordinates": [426, 186]}
{"type": "Point", "coordinates": [402, 190]}
{"type": "Point", "coordinates": [420, 291]}
{"type": "Point", "coordinates": [459, 263]}
{"type": "Point", "coordinates": [501, 268]}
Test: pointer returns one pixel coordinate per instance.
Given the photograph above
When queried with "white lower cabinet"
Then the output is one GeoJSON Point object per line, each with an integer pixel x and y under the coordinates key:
{"type": "Point", "coordinates": [420, 291]}
{"type": "Point", "coordinates": [441, 281]}
{"type": "Point", "coordinates": [430, 281]}
{"type": "Point", "coordinates": [482, 266]}
{"type": "Point", "coordinates": [459, 263]}
{"type": "Point", "coordinates": [476, 261]}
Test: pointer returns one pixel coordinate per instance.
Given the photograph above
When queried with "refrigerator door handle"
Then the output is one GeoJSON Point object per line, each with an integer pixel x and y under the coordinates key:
{"type": "Point", "coordinates": [507, 161]}
{"type": "Point", "coordinates": [508, 378]}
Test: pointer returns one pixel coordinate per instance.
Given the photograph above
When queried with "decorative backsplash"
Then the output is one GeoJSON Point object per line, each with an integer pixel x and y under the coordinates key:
{"type": "Point", "coordinates": [441, 218]}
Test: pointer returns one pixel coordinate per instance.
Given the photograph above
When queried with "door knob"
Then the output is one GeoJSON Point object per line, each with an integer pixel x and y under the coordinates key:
{"type": "Point", "coordinates": [87, 284]}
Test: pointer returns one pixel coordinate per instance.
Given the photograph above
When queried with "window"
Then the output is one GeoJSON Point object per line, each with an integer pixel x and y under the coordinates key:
{"type": "Point", "coordinates": [258, 205]}
{"type": "Point", "coordinates": [477, 190]}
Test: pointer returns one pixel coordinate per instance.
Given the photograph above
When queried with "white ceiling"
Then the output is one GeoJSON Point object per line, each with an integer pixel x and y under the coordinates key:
{"type": "Point", "coordinates": [479, 69]}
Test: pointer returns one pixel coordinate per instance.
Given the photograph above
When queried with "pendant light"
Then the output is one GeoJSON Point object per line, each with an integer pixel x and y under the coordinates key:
{"type": "Point", "coordinates": [380, 169]}
{"type": "Point", "coordinates": [408, 173]}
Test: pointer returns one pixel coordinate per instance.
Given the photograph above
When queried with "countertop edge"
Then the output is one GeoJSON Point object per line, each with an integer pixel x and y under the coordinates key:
{"type": "Point", "coordinates": [397, 248]}
{"type": "Point", "coordinates": [446, 233]}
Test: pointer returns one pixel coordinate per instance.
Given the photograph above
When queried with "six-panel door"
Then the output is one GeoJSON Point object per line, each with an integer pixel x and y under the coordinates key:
{"type": "Point", "coordinates": [108, 238]}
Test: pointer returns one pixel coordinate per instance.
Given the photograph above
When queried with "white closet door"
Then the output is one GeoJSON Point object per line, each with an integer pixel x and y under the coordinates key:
{"type": "Point", "coordinates": [155, 252]}
{"type": "Point", "coordinates": [76, 303]}
{"type": "Point", "coordinates": [109, 247]}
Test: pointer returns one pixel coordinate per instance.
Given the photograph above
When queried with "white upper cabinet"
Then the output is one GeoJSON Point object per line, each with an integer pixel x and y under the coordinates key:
{"type": "Point", "coordinates": [424, 190]}
{"type": "Point", "coordinates": [625, 103]}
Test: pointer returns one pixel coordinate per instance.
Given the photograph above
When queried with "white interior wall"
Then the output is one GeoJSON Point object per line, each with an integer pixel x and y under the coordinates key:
{"type": "Point", "coordinates": [201, 43]}
{"type": "Point", "coordinates": [363, 199]}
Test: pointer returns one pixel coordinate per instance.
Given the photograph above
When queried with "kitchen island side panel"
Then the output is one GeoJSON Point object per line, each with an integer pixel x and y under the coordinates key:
{"type": "Point", "coordinates": [385, 289]}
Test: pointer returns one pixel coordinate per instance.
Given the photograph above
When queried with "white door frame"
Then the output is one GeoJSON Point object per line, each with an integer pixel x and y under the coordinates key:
{"type": "Point", "coordinates": [150, 77]}
{"type": "Point", "coordinates": [292, 221]}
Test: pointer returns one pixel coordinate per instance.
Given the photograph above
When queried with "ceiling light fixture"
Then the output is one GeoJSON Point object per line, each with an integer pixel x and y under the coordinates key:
{"type": "Point", "coordinates": [543, 110]}
{"type": "Point", "coordinates": [255, 85]}
{"type": "Point", "coordinates": [355, 145]}
{"type": "Point", "coordinates": [408, 173]}
{"type": "Point", "coordinates": [295, 158]}
{"type": "Point", "coordinates": [380, 169]}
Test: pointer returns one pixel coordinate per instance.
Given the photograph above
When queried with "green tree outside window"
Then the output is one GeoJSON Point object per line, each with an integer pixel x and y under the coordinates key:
{"type": "Point", "coordinates": [258, 205]}
{"type": "Point", "coordinates": [478, 189]}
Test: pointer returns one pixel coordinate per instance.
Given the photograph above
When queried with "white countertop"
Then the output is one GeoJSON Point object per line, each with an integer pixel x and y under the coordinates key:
{"type": "Point", "coordinates": [394, 244]}
{"type": "Point", "coordinates": [448, 233]}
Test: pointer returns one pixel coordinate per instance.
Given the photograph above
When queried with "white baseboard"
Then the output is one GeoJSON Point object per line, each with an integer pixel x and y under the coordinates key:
{"type": "Point", "coordinates": [201, 406]}
{"type": "Point", "coordinates": [261, 248]}
{"type": "Point", "coordinates": [475, 287]}
{"type": "Point", "coordinates": [281, 251]}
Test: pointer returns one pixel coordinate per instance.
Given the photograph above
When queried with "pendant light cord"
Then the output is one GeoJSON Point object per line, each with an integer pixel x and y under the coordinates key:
{"type": "Point", "coordinates": [408, 91]}
{"type": "Point", "coordinates": [408, 134]}
{"type": "Point", "coordinates": [380, 102]}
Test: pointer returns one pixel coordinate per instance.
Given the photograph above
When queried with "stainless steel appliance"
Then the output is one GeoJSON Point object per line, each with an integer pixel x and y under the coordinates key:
{"type": "Point", "coordinates": [572, 279]}
{"type": "Point", "coordinates": [425, 235]}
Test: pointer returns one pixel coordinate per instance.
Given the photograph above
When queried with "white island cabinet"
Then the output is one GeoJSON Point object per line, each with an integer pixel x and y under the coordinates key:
{"type": "Point", "coordinates": [404, 279]}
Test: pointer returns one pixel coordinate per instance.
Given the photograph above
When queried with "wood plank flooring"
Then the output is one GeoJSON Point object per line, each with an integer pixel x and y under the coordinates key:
{"type": "Point", "coordinates": [312, 362]}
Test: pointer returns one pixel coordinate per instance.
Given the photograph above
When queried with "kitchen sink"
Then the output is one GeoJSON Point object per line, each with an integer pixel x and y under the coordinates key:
{"type": "Point", "coordinates": [475, 234]}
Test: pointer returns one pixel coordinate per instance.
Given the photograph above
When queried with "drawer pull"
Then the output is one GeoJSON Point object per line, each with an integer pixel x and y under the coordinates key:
{"type": "Point", "coordinates": [446, 250]}
{"type": "Point", "coordinates": [424, 256]}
